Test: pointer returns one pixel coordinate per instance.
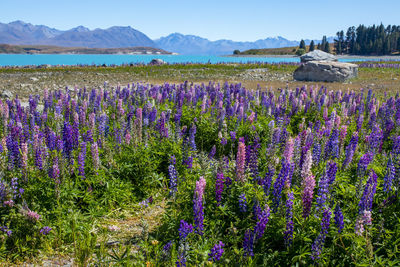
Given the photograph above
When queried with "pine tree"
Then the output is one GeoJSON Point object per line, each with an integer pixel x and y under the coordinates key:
{"type": "Point", "coordinates": [312, 46]}
{"type": "Point", "coordinates": [302, 45]}
{"type": "Point", "coordinates": [319, 46]}
{"type": "Point", "coordinates": [327, 48]}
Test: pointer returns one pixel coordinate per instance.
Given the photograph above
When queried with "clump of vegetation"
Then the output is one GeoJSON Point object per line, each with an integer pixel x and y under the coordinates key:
{"type": "Point", "coordinates": [248, 177]}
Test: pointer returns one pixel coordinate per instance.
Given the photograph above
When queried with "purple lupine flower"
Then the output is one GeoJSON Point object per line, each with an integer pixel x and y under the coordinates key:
{"type": "Point", "coordinates": [332, 146]}
{"type": "Point", "coordinates": [288, 234]}
{"type": "Point", "coordinates": [54, 171]}
{"type": "Point", "coordinates": [224, 141]}
{"type": "Point", "coordinates": [233, 135]}
{"type": "Point", "coordinates": [166, 251]}
{"type": "Point", "coordinates": [198, 208]}
{"type": "Point", "coordinates": [192, 137]}
{"type": "Point", "coordinates": [253, 159]}
{"type": "Point", "coordinates": [173, 177]}
{"type": "Point", "coordinates": [350, 150]}
{"type": "Point", "coordinates": [39, 158]}
{"type": "Point", "coordinates": [331, 170]}
{"type": "Point", "coordinates": [240, 161]}
{"type": "Point", "coordinates": [369, 192]}
{"type": "Point", "coordinates": [5, 230]}
{"type": "Point", "coordinates": [339, 218]}
{"type": "Point", "coordinates": [389, 177]}
{"type": "Point", "coordinates": [316, 153]}
{"type": "Point", "coordinates": [375, 139]}
{"type": "Point", "coordinates": [308, 185]}
{"type": "Point", "coordinates": [216, 252]}
{"type": "Point", "coordinates": [81, 160]}
{"type": "Point", "coordinates": [242, 203]}
{"type": "Point", "coordinates": [279, 184]}
{"type": "Point", "coordinates": [318, 244]}
{"type": "Point", "coordinates": [219, 187]}
{"type": "Point", "coordinates": [248, 243]}
{"type": "Point", "coordinates": [323, 190]}
{"type": "Point", "coordinates": [261, 223]}
{"type": "Point", "coordinates": [365, 160]}
{"type": "Point", "coordinates": [184, 230]}
{"type": "Point", "coordinates": [396, 145]}
{"type": "Point", "coordinates": [211, 155]}
{"type": "Point", "coordinates": [268, 180]}
{"type": "Point", "coordinates": [67, 140]}
{"type": "Point", "coordinates": [45, 230]}
{"type": "Point", "coordinates": [163, 130]}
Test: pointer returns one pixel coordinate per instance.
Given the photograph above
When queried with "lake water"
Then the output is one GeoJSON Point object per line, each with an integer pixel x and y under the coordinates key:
{"type": "Point", "coordinates": [23, 59]}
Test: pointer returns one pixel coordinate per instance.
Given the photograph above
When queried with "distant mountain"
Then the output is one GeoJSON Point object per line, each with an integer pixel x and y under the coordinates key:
{"type": "Point", "coordinates": [99, 38]}
{"type": "Point", "coordinates": [21, 33]}
{"type": "Point", "coordinates": [191, 44]}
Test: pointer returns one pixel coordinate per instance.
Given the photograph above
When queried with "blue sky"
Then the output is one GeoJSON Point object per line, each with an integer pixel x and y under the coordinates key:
{"type": "Point", "coordinates": [213, 19]}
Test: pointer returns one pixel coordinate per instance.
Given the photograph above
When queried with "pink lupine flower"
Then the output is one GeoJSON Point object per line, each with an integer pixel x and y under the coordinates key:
{"type": "Point", "coordinates": [121, 111]}
{"type": "Point", "coordinates": [95, 156]}
{"type": "Point", "coordinates": [289, 148]}
{"type": "Point", "coordinates": [200, 187]}
{"type": "Point", "coordinates": [24, 150]}
{"type": "Point", "coordinates": [92, 123]}
{"type": "Point", "coordinates": [306, 169]}
{"type": "Point", "coordinates": [362, 220]}
{"type": "Point", "coordinates": [252, 116]}
{"type": "Point", "coordinates": [128, 138]}
{"type": "Point", "coordinates": [308, 185]}
{"type": "Point", "coordinates": [31, 215]}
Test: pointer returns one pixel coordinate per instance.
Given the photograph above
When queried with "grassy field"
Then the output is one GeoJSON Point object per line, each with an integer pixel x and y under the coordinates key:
{"type": "Point", "coordinates": [26, 81]}
{"type": "Point", "coordinates": [97, 168]}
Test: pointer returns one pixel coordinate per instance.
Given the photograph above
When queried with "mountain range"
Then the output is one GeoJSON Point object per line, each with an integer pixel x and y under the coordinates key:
{"type": "Point", "coordinates": [22, 33]}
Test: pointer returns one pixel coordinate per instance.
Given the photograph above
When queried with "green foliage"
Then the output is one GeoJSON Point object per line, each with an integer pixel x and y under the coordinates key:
{"type": "Point", "coordinates": [300, 52]}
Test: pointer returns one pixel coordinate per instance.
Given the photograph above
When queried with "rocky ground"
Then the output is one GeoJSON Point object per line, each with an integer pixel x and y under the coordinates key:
{"type": "Point", "coordinates": [23, 82]}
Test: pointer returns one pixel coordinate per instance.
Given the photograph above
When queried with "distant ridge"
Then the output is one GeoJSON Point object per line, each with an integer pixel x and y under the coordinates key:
{"type": "Point", "coordinates": [22, 33]}
{"type": "Point", "coordinates": [191, 44]}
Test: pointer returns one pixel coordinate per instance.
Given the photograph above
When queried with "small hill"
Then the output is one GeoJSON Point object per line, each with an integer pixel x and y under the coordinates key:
{"type": "Point", "coordinates": [47, 49]}
{"type": "Point", "coordinates": [275, 51]}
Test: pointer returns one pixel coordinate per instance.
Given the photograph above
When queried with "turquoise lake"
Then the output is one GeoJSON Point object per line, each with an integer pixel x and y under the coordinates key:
{"type": "Point", "coordinates": [69, 59]}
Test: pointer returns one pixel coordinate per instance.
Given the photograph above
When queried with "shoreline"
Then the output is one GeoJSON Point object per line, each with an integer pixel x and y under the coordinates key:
{"type": "Point", "coordinates": [386, 57]}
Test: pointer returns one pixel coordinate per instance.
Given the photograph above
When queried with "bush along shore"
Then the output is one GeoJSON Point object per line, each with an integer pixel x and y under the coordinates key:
{"type": "Point", "coordinates": [240, 177]}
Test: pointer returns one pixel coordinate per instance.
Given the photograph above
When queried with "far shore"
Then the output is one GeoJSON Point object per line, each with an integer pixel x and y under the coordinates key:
{"type": "Point", "coordinates": [386, 57]}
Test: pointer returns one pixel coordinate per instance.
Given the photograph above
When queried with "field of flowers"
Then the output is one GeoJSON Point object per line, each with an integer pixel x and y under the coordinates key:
{"type": "Point", "coordinates": [248, 177]}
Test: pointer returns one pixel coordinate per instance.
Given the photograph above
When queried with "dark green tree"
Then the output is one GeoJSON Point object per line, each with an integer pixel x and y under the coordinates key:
{"type": "Point", "coordinates": [319, 46]}
{"type": "Point", "coordinates": [327, 47]}
{"type": "Point", "coordinates": [312, 45]}
{"type": "Point", "coordinates": [302, 45]}
{"type": "Point", "coordinates": [236, 52]}
{"type": "Point", "coordinates": [323, 43]}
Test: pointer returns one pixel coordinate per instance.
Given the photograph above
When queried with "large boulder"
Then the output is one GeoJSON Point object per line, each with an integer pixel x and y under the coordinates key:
{"type": "Point", "coordinates": [317, 55]}
{"type": "Point", "coordinates": [324, 71]}
{"type": "Point", "coordinates": [157, 61]}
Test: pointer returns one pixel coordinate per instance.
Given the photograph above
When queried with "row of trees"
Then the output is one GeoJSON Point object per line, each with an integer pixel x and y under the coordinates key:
{"type": "Point", "coordinates": [324, 45]}
{"type": "Point", "coordinates": [378, 40]}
